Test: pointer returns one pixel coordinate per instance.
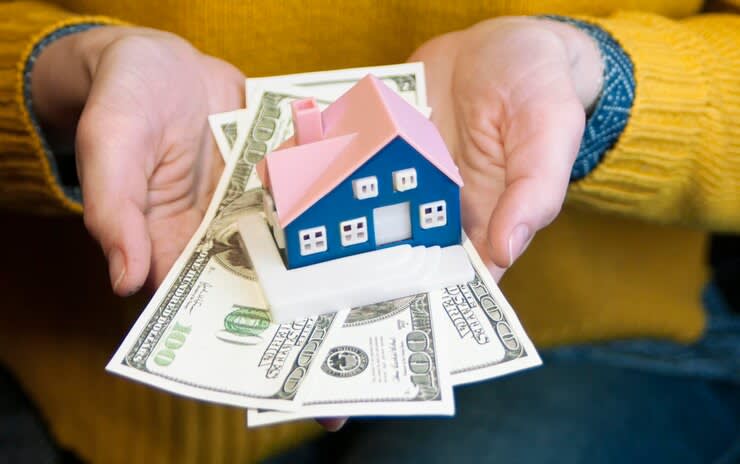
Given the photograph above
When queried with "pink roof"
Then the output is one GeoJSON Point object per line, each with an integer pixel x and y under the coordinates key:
{"type": "Point", "coordinates": [356, 126]}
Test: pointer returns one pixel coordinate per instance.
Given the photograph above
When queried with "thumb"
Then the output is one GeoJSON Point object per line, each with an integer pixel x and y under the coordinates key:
{"type": "Point", "coordinates": [541, 146]}
{"type": "Point", "coordinates": [113, 176]}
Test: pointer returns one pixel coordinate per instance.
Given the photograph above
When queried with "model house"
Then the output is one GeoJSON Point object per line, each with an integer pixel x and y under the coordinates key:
{"type": "Point", "coordinates": [368, 172]}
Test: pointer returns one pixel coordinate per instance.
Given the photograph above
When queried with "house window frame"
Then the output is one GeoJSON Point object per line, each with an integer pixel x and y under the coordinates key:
{"type": "Point", "coordinates": [357, 231]}
{"type": "Point", "coordinates": [436, 217]}
{"type": "Point", "coordinates": [365, 187]}
{"type": "Point", "coordinates": [405, 179]}
{"type": "Point", "coordinates": [317, 240]}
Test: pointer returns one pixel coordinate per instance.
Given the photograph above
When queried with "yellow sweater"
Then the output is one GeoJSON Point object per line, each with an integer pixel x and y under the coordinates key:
{"type": "Point", "coordinates": [624, 259]}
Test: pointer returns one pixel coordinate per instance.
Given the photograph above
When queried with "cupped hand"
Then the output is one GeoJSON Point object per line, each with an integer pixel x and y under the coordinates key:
{"type": "Point", "coordinates": [509, 96]}
{"type": "Point", "coordinates": [146, 161]}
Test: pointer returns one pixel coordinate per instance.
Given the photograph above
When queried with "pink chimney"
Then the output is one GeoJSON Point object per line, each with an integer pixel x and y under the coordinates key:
{"type": "Point", "coordinates": [307, 121]}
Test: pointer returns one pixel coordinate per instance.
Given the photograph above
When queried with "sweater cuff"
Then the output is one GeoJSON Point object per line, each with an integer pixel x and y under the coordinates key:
{"type": "Point", "coordinates": [61, 165]}
{"type": "Point", "coordinates": [29, 175]}
{"type": "Point", "coordinates": [673, 163]}
{"type": "Point", "coordinates": [609, 116]}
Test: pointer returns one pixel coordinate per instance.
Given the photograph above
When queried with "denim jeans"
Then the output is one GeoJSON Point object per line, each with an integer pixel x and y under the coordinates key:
{"type": "Point", "coordinates": [623, 402]}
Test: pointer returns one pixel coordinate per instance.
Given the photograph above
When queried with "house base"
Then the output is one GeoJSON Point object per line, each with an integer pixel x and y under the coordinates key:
{"type": "Point", "coordinates": [348, 282]}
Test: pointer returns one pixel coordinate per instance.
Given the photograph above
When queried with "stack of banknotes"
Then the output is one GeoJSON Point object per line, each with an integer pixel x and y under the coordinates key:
{"type": "Point", "coordinates": [207, 332]}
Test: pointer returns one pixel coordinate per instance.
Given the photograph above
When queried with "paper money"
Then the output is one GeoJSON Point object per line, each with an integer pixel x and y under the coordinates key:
{"type": "Point", "coordinates": [224, 129]}
{"type": "Point", "coordinates": [485, 338]}
{"type": "Point", "coordinates": [178, 343]}
{"type": "Point", "coordinates": [406, 79]}
{"type": "Point", "coordinates": [206, 332]}
{"type": "Point", "coordinates": [482, 337]}
{"type": "Point", "coordinates": [326, 86]}
{"type": "Point", "coordinates": [385, 359]}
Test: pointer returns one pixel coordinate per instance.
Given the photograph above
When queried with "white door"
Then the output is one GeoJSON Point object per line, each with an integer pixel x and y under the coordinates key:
{"type": "Point", "coordinates": [392, 223]}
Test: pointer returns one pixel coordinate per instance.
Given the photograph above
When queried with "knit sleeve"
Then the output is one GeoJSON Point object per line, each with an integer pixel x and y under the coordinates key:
{"type": "Point", "coordinates": [677, 161]}
{"type": "Point", "coordinates": [29, 178]}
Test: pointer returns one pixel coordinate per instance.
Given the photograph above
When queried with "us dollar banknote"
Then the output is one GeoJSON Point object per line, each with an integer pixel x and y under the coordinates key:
{"type": "Point", "coordinates": [481, 336]}
{"type": "Point", "coordinates": [326, 86]}
{"type": "Point", "coordinates": [388, 358]}
{"type": "Point", "coordinates": [206, 333]}
{"type": "Point", "coordinates": [224, 130]}
{"type": "Point", "coordinates": [485, 338]}
{"type": "Point", "coordinates": [405, 79]}
{"type": "Point", "coordinates": [193, 338]}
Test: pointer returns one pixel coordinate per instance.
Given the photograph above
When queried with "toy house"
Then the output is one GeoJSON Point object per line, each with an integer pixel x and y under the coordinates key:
{"type": "Point", "coordinates": [368, 172]}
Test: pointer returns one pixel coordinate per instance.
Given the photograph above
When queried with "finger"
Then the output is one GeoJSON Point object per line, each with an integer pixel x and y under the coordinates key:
{"type": "Point", "coordinates": [332, 424]}
{"type": "Point", "coordinates": [111, 154]}
{"type": "Point", "coordinates": [541, 147]}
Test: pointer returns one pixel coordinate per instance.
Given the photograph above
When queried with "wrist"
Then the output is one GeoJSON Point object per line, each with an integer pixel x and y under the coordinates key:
{"type": "Point", "coordinates": [61, 78]}
{"type": "Point", "coordinates": [59, 84]}
{"type": "Point", "coordinates": [611, 110]}
{"type": "Point", "coordinates": [586, 63]}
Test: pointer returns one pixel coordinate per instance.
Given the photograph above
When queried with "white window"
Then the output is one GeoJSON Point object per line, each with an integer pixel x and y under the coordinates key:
{"type": "Point", "coordinates": [392, 223]}
{"type": "Point", "coordinates": [312, 240]}
{"type": "Point", "coordinates": [433, 214]}
{"type": "Point", "coordinates": [405, 179]}
{"type": "Point", "coordinates": [365, 187]}
{"type": "Point", "coordinates": [353, 231]}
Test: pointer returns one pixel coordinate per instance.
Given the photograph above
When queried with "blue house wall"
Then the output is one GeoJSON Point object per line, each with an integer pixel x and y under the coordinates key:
{"type": "Point", "coordinates": [340, 205]}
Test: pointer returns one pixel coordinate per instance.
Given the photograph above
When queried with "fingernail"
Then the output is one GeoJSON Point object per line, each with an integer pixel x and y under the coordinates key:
{"type": "Point", "coordinates": [117, 266]}
{"type": "Point", "coordinates": [517, 242]}
{"type": "Point", "coordinates": [132, 292]}
{"type": "Point", "coordinates": [334, 426]}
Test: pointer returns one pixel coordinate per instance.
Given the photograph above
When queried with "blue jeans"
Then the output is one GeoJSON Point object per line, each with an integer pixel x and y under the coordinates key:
{"type": "Point", "coordinates": [623, 402]}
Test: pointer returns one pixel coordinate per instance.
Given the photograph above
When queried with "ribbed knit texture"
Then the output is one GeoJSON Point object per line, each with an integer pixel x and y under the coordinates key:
{"type": "Point", "coordinates": [678, 159]}
{"type": "Point", "coordinates": [71, 192]}
{"type": "Point", "coordinates": [611, 112]}
{"type": "Point", "coordinates": [27, 181]}
{"type": "Point", "coordinates": [592, 275]}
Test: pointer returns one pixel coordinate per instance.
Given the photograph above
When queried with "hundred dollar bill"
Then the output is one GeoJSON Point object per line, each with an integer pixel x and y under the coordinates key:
{"type": "Point", "coordinates": [485, 338]}
{"type": "Point", "coordinates": [206, 332]}
{"type": "Point", "coordinates": [210, 301]}
{"type": "Point", "coordinates": [224, 129]}
{"type": "Point", "coordinates": [407, 79]}
{"type": "Point", "coordinates": [385, 359]}
{"type": "Point", "coordinates": [275, 123]}
{"type": "Point", "coordinates": [482, 335]}
{"type": "Point", "coordinates": [227, 126]}
{"type": "Point", "coordinates": [181, 342]}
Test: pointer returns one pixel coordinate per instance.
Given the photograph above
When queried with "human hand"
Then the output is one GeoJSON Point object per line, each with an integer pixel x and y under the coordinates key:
{"type": "Point", "coordinates": [509, 96]}
{"type": "Point", "coordinates": [145, 157]}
